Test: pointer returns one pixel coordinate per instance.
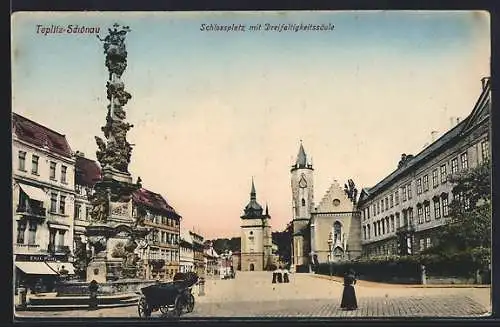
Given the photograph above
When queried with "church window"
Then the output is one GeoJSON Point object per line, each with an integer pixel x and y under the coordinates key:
{"type": "Point", "coordinates": [336, 202]}
{"type": "Point", "coordinates": [303, 202]}
{"type": "Point", "coordinates": [337, 232]}
{"type": "Point", "coordinates": [251, 232]}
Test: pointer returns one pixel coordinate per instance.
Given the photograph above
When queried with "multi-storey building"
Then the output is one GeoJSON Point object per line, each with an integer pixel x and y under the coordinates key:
{"type": "Point", "coordinates": [43, 203]}
{"type": "Point", "coordinates": [413, 201]}
{"type": "Point", "coordinates": [186, 263]}
{"type": "Point", "coordinates": [162, 256]}
{"type": "Point", "coordinates": [211, 259]}
{"type": "Point", "coordinates": [198, 253]}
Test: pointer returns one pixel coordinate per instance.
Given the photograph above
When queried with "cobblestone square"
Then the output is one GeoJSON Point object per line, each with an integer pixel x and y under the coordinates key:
{"type": "Point", "coordinates": [253, 295]}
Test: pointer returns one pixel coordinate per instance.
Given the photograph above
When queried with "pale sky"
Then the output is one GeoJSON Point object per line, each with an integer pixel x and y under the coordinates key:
{"type": "Point", "coordinates": [213, 109]}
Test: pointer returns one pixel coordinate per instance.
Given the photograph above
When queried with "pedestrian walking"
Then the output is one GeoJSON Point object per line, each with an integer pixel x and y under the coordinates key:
{"type": "Point", "coordinates": [275, 275]}
{"type": "Point", "coordinates": [285, 275]}
{"type": "Point", "coordinates": [93, 287]}
{"type": "Point", "coordinates": [349, 301]}
{"type": "Point", "coordinates": [280, 275]}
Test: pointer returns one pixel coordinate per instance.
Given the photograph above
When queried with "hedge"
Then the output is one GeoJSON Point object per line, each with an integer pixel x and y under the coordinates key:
{"type": "Point", "coordinates": [407, 269]}
{"type": "Point", "coordinates": [375, 270]}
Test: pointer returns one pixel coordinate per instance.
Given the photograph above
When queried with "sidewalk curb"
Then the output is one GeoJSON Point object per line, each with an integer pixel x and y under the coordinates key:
{"type": "Point", "coordinates": [389, 285]}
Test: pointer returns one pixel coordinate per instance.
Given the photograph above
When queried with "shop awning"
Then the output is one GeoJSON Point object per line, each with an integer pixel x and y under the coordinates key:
{"type": "Point", "coordinates": [35, 268]}
{"type": "Point", "coordinates": [34, 193]}
{"type": "Point", "coordinates": [57, 266]}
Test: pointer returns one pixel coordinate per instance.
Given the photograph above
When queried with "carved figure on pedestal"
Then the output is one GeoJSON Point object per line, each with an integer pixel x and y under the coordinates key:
{"type": "Point", "coordinates": [98, 244]}
{"type": "Point", "coordinates": [100, 206]}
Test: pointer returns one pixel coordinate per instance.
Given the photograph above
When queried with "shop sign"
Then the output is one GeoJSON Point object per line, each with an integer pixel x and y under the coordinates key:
{"type": "Point", "coordinates": [35, 257]}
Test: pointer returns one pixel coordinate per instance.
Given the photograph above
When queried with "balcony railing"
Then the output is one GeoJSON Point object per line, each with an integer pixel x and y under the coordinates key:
{"type": "Point", "coordinates": [31, 248]}
{"type": "Point", "coordinates": [58, 249]}
{"type": "Point", "coordinates": [57, 218]}
{"type": "Point", "coordinates": [34, 211]}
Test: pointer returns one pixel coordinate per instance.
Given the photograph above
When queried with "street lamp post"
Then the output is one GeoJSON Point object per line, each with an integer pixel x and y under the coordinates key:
{"type": "Point", "coordinates": [330, 243]}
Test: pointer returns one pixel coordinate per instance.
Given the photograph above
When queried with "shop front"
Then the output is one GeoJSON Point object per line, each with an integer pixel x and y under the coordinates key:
{"type": "Point", "coordinates": [39, 273]}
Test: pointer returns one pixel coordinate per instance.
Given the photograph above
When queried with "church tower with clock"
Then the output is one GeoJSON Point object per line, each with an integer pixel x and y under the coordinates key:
{"type": "Point", "coordinates": [325, 232]}
{"type": "Point", "coordinates": [302, 183]}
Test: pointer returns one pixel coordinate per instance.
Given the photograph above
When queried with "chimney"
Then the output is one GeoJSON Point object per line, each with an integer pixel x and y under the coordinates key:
{"type": "Point", "coordinates": [484, 82]}
{"type": "Point", "coordinates": [458, 120]}
{"type": "Point", "coordinates": [451, 122]}
{"type": "Point", "coordinates": [433, 135]}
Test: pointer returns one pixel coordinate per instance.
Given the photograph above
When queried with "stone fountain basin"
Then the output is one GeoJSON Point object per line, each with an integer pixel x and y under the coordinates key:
{"type": "Point", "coordinates": [121, 286]}
{"type": "Point", "coordinates": [71, 295]}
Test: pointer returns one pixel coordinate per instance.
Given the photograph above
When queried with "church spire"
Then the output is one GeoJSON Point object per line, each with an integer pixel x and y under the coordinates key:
{"type": "Point", "coordinates": [267, 210]}
{"type": "Point", "coordinates": [253, 195]}
{"type": "Point", "coordinates": [253, 208]}
{"type": "Point", "coordinates": [301, 157]}
{"type": "Point", "coordinates": [302, 161]}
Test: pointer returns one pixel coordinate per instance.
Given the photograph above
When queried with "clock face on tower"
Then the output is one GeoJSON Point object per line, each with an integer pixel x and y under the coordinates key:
{"type": "Point", "coordinates": [302, 182]}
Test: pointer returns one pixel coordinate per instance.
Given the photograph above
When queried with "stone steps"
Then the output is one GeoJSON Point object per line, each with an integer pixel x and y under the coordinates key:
{"type": "Point", "coordinates": [75, 302]}
{"type": "Point", "coordinates": [63, 307]}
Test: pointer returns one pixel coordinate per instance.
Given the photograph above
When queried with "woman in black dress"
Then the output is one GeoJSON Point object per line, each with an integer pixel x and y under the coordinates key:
{"type": "Point", "coordinates": [349, 301]}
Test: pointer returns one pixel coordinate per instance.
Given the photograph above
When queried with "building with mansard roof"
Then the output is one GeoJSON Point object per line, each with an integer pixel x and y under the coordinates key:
{"type": "Point", "coordinates": [256, 240]}
{"type": "Point", "coordinates": [161, 257]}
{"type": "Point", "coordinates": [411, 203]}
{"type": "Point", "coordinates": [43, 194]}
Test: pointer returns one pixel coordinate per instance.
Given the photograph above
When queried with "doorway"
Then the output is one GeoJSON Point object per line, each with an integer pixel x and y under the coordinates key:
{"type": "Point", "coordinates": [252, 267]}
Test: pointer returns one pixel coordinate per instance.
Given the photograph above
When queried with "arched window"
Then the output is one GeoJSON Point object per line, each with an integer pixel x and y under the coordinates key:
{"type": "Point", "coordinates": [303, 202]}
{"type": "Point", "coordinates": [337, 231]}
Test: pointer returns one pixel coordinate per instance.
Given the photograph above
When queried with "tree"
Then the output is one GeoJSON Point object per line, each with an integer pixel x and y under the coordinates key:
{"type": "Point", "coordinates": [468, 231]}
{"type": "Point", "coordinates": [284, 241]}
{"type": "Point", "coordinates": [221, 245]}
{"type": "Point", "coordinates": [351, 191]}
{"type": "Point", "coordinates": [82, 258]}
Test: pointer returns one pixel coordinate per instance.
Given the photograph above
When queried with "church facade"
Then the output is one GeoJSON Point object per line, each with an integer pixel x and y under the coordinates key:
{"type": "Point", "coordinates": [327, 232]}
{"type": "Point", "coordinates": [256, 240]}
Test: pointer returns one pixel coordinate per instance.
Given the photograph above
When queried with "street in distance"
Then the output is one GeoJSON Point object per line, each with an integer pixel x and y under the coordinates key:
{"type": "Point", "coordinates": [266, 27]}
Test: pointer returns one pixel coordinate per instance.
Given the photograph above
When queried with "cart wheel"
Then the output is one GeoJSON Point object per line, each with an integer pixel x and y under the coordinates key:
{"type": "Point", "coordinates": [190, 303]}
{"type": "Point", "coordinates": [143, 308]}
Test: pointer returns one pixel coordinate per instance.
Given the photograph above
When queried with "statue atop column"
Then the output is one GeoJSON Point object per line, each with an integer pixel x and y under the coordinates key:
{"type": "Point", "coordinates": [115, 152]}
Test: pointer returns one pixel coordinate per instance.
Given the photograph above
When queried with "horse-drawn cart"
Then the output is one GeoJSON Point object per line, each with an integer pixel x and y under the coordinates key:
{"type": "Point", "coordinates": [172, 298]}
